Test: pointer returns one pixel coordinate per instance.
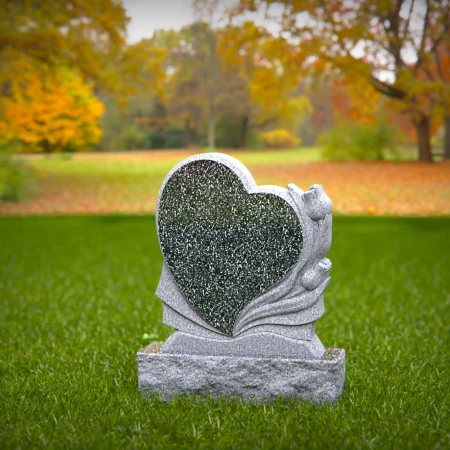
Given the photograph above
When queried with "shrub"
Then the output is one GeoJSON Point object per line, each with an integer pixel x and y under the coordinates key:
{"type": "Point", "coordinates": [174, 138]}
{"type": "Point", "coordinates": [348, 141]}
{"type": "Point", "coordinates": [131, 138]}
{"type": "Point", "coordinates": [157, 139]}
{"type": "Point", "coordinates": [16, 179]}
{"type": "Point", "coordinates": [228, 132]}
{"type": "Point", "coordinates": [279, 139]}
{"type": "Point", "coordinates": [254, 141]}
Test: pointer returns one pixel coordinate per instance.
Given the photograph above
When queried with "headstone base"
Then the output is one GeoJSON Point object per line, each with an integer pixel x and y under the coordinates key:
{"type": "Point", "coordinates": [248, 377]}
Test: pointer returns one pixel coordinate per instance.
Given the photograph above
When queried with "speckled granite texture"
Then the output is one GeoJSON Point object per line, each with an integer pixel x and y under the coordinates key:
{"type": "Point", "coordinates": [250, 378]}
{"type": "Point", "coordinates": [223, 245]}
{"type": "Point", "coordinates": [241, 259]}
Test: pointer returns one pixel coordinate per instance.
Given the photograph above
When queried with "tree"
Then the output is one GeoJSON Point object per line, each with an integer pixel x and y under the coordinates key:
{"type": "Point", "coordinates": [195, 84]}
{"type": "Point", "coordinates": [260, 86]}
{"type": "Point", "coordinates": [322, 118]}
{"type": "Point", "coordinates": [435, 74]}
{"type": "Point", "coordinates": [206, 10]}
{"type": "Point", "coordinates": [63, 46]}
{"type": "Point", "coordinates": [50, 110]}
{"type": "Point", "coordinates": [84, 34]}
{"type": "Point", "coordinates": [180, 84]}
{"type": "Point", "coordinates": [352, 102]}
{"type": "Point", "coordinates": [190, 80]}
{"type": "Point", "coordinates": [190, 77]}
{"type": "Point", "coordinates": [386, 43]}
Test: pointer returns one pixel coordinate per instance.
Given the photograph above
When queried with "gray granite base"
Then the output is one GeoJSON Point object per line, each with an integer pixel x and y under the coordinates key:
{"type": "Point", "coordinates": [247, 377]}
{"type": "Point", "coordinates": [255, 345]}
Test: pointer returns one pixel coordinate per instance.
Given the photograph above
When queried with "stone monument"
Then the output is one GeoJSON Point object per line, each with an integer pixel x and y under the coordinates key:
{"type": "Point", "coordinates": [243, 279]}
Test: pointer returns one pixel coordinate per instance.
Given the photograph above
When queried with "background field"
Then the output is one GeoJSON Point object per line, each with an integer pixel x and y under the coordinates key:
{"type": "Point", "coordinates": [129, 182]}
{"type": "Point", "coordinates": [78, 295]}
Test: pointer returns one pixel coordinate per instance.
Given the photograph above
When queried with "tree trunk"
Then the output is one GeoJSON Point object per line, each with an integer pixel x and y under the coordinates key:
{"type": "Point", "coordinates": [46, 146]}
{"type": "Point", "coordinates": [194, 136]}
{"type": "Point", "coordinates": [186, 134]}
{"type": "Point", "coordinates": [447, 137]}
{"type": "Point", "coordinates": [423, 138]}
{"type": "Point", "coordinates": [244, 131]}
{"type": "Point", "coordinates": [211, 127]}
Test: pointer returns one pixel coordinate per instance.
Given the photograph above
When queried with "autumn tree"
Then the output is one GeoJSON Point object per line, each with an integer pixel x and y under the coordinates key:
{"type": "Point", "coordinates": [49, 110]}
{"type": "Point", "coordinates": [442, 63]}
{"type": "Point", "coordinates": [206, 10]}
{"type": "Point", "coordinates": [260, 87]}
{"type": "Point", "coordinates": [435, 75]}
{"type": "Point", "coordinates": [196, 80]}
{"type": "Point", "coordinates": [192, 80]}
{"type": "Point", "coordinates": [385, 43]}
{"type": "Point", "coordinates": [175, 87]}
{"type": "Point", "coordinates": [50, 52]}
{"type": "Point", "coordinates": [351, 102]}
{"type": "Point", "coordinates": [86, 35]}
{"type": "Point", "coordinates": [321, 118]}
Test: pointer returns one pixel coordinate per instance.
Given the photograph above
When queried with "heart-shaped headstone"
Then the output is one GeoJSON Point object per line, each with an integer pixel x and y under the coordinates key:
{"type": "Point", "coordinates": [224, 245]}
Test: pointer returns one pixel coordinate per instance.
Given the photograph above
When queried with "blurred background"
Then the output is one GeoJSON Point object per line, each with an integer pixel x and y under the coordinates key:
{"type": "Point", "coordinates": [119, 91]}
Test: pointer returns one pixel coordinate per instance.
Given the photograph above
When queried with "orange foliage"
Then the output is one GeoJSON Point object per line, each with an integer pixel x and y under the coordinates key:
{"type": "Point", "coordinates": [50, 111]}
{"type": "Point", "coordinates": [434, 88]}
{"type": "Point", "coordinates": [354, 100]}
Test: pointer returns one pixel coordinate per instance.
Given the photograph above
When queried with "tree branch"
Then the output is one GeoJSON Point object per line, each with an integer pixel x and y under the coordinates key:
{"type": "Point", "coordinates": [424, 33]}
{"type": "Point", "coordinates": [408, 20]}
{"type": "Point", "coordinates": [387, 89]}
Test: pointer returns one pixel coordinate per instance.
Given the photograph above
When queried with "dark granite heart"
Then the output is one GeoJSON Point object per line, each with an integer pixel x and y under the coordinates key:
{"type": "Point", "coordinates": [223, 245]}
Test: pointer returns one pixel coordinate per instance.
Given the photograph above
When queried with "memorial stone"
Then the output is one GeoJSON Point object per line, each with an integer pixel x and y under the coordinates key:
{"type": "Point", "coordinates": [243, 283]}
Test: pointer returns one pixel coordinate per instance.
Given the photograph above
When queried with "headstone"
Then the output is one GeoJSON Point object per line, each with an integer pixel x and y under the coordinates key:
{"type": "Point", "coordinates": [243, 280]}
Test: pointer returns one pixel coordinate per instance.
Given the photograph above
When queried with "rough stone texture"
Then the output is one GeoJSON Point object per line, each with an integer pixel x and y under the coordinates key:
{"type": "Point", "coordinates": [260, 344]}
{"type": "Point", "coordinates": [251, 378]}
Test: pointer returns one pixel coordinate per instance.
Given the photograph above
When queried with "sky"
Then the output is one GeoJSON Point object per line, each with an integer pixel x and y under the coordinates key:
{"type": "Point", "coordinates": [149, 15]}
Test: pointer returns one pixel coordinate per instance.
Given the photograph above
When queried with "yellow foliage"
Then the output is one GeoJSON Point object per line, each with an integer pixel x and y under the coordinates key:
{"type": "Point", "coordinates": [87, 35]}
{"type": "Point", "coordinates": [268, 68]}
{"type": "Point", "coordinates": [280, 139]}
{"type": "Point", "coordinates": [50, 111]}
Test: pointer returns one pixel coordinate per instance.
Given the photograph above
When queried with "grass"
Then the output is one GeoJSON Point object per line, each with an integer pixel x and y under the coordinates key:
{"type": "Point", "coordinates": [143, 172]}
{"type": "Point", "coordinates": [77, 298]}
{"type": "Point", "coordinates": [128, 183]}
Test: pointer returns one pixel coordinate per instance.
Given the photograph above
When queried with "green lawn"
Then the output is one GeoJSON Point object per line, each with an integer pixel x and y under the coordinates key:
{"type": "Point", "coordinates": [77, 296]}
{"type": "Point", "coordinates": [133, 177]}
{"type": "Point", "coordinates": [144, 171]}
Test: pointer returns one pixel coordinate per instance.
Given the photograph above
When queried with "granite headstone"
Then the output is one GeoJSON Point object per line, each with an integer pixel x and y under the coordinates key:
{"type": "Point", "coordinates": [243, 279]}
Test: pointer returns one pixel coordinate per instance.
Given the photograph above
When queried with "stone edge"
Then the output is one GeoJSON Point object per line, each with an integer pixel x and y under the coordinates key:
{"type": "Point", "coordinates": [331, 354]}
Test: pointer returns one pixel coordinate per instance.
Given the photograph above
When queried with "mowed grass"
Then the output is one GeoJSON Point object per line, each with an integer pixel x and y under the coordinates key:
{"type": "Point", "coordinates": [129, 182]}
{"type": "Point", "coordinates": [77, 295]}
